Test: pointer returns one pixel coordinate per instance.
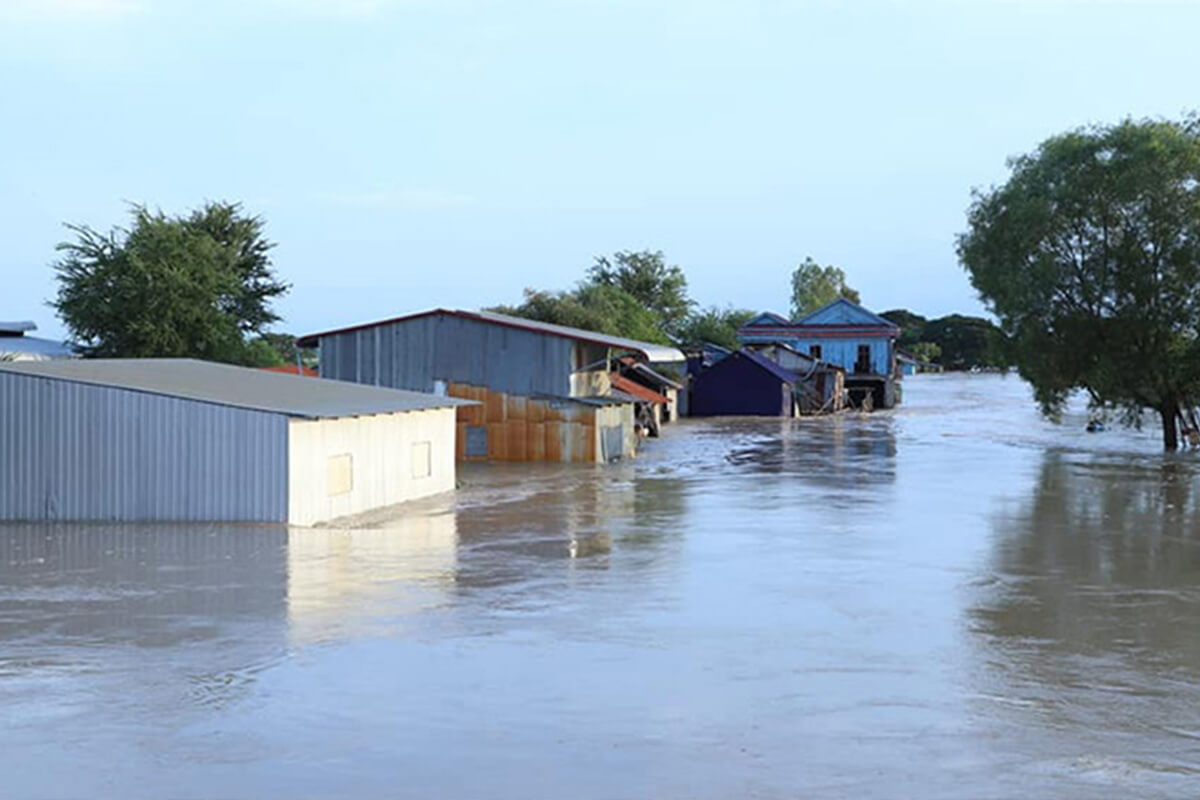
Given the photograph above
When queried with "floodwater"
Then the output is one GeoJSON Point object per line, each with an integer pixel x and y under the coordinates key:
{"type": "Point", "coordinates": [954, 600]}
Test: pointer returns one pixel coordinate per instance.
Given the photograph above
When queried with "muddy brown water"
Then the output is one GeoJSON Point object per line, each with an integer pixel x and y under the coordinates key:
{"type": "Point", "coordinates": [955, 600]}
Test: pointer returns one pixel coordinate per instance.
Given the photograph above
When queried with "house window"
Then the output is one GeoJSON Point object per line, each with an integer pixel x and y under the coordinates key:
{"type": "Point", "coordinates": [814, 350]}
{"type": "Point", "coordinates": [863, 362]}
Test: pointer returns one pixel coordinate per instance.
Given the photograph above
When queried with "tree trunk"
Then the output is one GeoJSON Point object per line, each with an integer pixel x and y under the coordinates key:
{"type": "Point", "coordinates": [1170, 414]}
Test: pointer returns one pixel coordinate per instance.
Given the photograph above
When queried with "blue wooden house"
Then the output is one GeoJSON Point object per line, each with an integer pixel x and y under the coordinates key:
{"type": "Point", "coordinates": [744, 383]}
{"type": "Point", "coordinates": [843, 334]}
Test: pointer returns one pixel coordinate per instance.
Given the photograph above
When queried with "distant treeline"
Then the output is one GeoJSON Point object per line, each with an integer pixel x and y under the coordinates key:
{"type": "Point", "coordinates": [954, 341]}
{"type": "Point", "coordinates": [640, 296]}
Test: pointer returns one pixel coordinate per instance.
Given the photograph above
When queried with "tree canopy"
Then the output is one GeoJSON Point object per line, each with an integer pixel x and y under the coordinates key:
{"type": "Point", "coordinates": [647, 278]}
{"type": "Point", "coordinates": [715, 325]}
{"type": "Point", "coordinates": [912, 326]}
{"type": "Point", "coordinates": [814, 286]}
{"type": "Point", "coordinates": [1089, 255]}
{"type": "Point", "coordinates": [604, 309]}
{"type": "Point", "coordinates": [631, 294]}
{"type": "Point", "coordinates": [196, 286]}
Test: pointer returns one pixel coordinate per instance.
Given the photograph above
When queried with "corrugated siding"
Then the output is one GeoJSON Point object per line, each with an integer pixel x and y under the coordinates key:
{"type": "Point", "coordinates": [73, 451]}
{"type": "Point", "coordinates": [412, 354]}
{"type": "Point", "coordinates": [842, 352]}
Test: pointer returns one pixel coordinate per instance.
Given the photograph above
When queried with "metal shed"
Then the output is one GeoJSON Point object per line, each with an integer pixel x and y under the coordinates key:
{"type": "Point", "coordinates": [745, 383]}
{"type": "Point", "coordinates": [17, 345]}
{"type": "Point", "coordinates": [528, 376]}
{"type": "Point", "coordinates": [177, 439]}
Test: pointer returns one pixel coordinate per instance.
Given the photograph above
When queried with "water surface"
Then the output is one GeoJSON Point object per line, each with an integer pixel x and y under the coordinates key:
{"type": "Point", "coordinates": [954, 600]}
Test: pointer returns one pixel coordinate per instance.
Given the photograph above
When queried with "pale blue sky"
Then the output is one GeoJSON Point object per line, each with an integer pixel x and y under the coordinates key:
{"type": "Point", "coordinates": [416, 153]}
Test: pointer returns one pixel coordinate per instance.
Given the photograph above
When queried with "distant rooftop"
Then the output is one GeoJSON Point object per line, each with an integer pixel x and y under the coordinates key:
{"type": "Point", "coordinates": [14, 343]}
{"type": "Point", "coordinates": [240, 387]}
{"type": "Point", "coordinates": [656, 353]}
{"type": "Point", "coordinates": [16, 328]}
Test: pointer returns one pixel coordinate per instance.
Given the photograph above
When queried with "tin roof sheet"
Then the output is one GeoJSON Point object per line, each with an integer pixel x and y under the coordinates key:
{"type": "Point", "coordinates": [785, 375]}
{"type": "Point", "coordinates": [655, 353]}
{"type": "Point", "coordinates": [241, 387]}
{"type": "Point", "coordinates": [625, 385]}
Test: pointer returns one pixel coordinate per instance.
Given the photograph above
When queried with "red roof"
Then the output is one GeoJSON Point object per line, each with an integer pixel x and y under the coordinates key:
{"type": "Point", "coordinates": [623, 384]}
{"type": "Point", "coordinates": [292, 369]}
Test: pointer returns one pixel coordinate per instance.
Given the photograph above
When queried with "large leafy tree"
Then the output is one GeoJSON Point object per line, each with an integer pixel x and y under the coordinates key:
{"type": "Point", "coordinates": [716, 325]}
{"type": "Point", "coordinates": [1089, 255]}
{"type": "Point", "coordinates": [912, 325]}
{"type": "Point", "coordinates": [195, 286]}
{"type": "Point", "coordinates": [648, 278]}
{"type": "Point", "coordinates": [964, 342]}
{"type": "Point", "coordinates": [814, 286]}
{"type": "Point", "coordinates": [591, 307]}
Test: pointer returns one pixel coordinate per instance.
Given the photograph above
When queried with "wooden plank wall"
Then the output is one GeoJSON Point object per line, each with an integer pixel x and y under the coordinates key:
{"type": "Point", "coordinates": [524, 428]}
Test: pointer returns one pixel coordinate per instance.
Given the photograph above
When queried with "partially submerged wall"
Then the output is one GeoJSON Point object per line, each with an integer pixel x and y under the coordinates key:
{"type": "Point", "coordinates": [505, 427]}
{"type": "Point", "coordinates": [339, 467]}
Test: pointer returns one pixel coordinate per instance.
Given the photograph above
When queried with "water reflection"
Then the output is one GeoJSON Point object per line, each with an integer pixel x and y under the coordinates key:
{"type": "Point", "coordinates": [344, 582]}
{"type": "Point", "coordinates": [195, 612]}
{"type": "Point", "coordinates": [1088, 614]}
{"type": "Point", "coordinates": [151, 586]}
{"type": "Point", "coordinates": [576, 516]}
{"type": "Point", "coordinates": [852, 454]}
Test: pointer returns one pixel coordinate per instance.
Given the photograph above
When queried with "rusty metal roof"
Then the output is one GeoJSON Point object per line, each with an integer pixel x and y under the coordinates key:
{"type": "Point", "coordinates": [623, 384]}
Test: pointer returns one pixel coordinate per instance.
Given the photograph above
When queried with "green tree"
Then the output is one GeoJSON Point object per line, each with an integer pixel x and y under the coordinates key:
{"type": "Point", "coordinates": [927, 352]}
{"type": "Point", "coordinates": [195, 286]}
{"type": "Point", "coordinates": [814, 286]}
{"type": "Point", "coordinates": [646, 277]}
{"type": "Point", "coordinates": [716, 325]}
{"type": "Point", "coordinates": [912, 326]}
{"type": "Point", "coordinates": [1089, 255]}
{"type": "Point", "coordinates": [283, 345]}
{"type": "Point", "coordinates": [591, 307]}
{"type": "Point", "coordinates": [966, 342]}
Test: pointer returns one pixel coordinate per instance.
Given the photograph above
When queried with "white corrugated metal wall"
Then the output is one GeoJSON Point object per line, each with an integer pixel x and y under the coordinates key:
{"type": "Point", "coordinates": [75, 451]}
{"type": "Point", "coordinates": [339, 467]}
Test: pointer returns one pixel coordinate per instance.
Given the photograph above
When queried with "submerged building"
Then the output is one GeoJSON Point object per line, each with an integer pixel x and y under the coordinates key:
{"type": "Point", "coordinates": [545, 391]}
{"type": "Point", "coordinates": [17, 345]}
{"type": "Point", "coordinates": [745, 383]}
{"type": "Point", "coordinates": [843, 334]}
{"type": "Point", "coordinates": [177, 439]}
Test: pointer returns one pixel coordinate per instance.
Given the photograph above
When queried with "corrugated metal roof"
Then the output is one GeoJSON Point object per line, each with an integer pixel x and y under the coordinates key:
{"type": "Point", "coordinates": [34, 347]}
{"type": "Point", "coordinates": [655, 377]}
{"type": "Point", "coordinates": [783, 374]}
{"type": "Point", "coordinates": [655, 353]}
{"type": "Point", "coordinates": [625, 385]}
{"type": "Point", "coordinates": [239, 387]}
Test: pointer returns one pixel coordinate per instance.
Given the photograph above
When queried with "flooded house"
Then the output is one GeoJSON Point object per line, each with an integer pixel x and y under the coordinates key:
{"type": "Point", "coordinates": [843, 334]}
{"type": "Point", "coordinates": [182, 440]}
{"type": "Point", "coordinates": [821, 388]}
{"type": "Point", "coordinates": [745, 383]}
{"type": "Point", "coordinates": [17, 345]}
{"type": "Point", "coordinates": [640, 379]}
{"type": "Point", "coordinates": [545, 391]}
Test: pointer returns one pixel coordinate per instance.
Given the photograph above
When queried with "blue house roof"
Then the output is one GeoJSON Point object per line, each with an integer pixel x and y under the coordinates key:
{"type": "Point", "coordinates": [844, 312]}
{"type": "Point", "coordinates": [767, 318]}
